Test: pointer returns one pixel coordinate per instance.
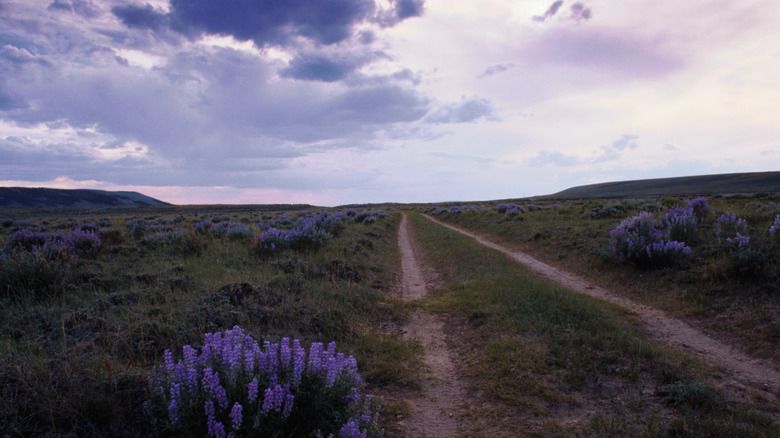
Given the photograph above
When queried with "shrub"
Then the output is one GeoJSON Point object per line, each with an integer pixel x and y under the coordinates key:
{"type": "Point", "coordinates": [137, 227]}
{"type": "Point", "coordinates": [234, 386]}
{"type": "Point", "coordinates": [747, 261]}
{"type": "Point", "coordinates": [774, 230]}
{"type": "Point", "coordinates": [699, 207]}
{"type": "Point", "coordinates": [510, 209]}
{"type": "Point", "coordinates": [681, 224]}
{"type": "Point", "coordinates": [645, 241]}
{"type": "Point", "coordinates": [35, 273]}
{"type": "Point", "coordinates": [732, 231]}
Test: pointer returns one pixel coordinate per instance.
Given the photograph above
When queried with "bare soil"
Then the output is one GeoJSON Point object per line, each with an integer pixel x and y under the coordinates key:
{"type": "Point", "coordinates": [439, 410]}
{"type": "Point", "coordinates": [745, 374]}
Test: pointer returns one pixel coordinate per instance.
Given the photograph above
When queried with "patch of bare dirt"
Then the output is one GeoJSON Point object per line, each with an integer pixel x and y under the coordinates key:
{"type": "Point", "coordinates": [742, 372]}
{"type": "Point", "coordinates": [438, 411]}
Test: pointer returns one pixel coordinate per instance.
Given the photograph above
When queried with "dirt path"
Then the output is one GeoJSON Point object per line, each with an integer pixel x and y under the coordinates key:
{"type": "Point", "coordinates": [742, 371]}
{"type": "Point", "coordinates": [437, 412]}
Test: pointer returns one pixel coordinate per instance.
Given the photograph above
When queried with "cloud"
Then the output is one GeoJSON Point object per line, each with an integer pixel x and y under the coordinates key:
{"type": "Point", "coordinates": [498, 68]}
{"type": "Point", "coordinates": [670, 147]}
{"type": "Point", "coordinates": [580, 12]}
{"type": "Point", "coordinates": [625, 142]}
{"type": "Point", "coordinates": [85, 8]}
{"type": "Point", "coordinates": [552, 10]}
{"type": "Point", "coordinates": [269, 23]}
{"type": "Point", "coordinates": [550, 157]}
{"type": "Point", "coordinates": [326, 68]}
{"type": "Point", "coordinates": [467, 110]}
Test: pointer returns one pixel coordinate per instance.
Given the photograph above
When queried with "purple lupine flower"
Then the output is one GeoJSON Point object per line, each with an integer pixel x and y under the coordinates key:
{"type": "Point", "coordinates": [351, 430]}
{"type": "Point", "coordinates": [235, 416]}
{"type": "Point", "coordinates": [299, 361]}
{"type": "Point", "coordinates": [285, 353]}
{"type": "Point", "coordinates": [253, 390]}
{"type": "Point", "coordinates": [214, 388]}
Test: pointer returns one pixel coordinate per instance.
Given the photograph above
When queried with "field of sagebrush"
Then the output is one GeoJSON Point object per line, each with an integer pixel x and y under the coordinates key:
{"type": "Point", "coordinates": [179, 321]}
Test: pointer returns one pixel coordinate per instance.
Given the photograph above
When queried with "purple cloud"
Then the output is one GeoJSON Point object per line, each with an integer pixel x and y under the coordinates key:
{"type": "Point", "coordinates": [552, 10]}
{"type": "Point", "coordinates": [495, 69]}
{"type": "Point", "coordinates": [268, 22]}
{"type": "Point", "coordinates": [467, 110]}
{"type": "Point", "coordinates": [580, 12]}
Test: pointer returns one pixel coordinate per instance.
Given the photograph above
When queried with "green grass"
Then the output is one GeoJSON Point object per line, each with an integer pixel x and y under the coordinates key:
{"type": "Point", "coordinates": [705, 288]}
{"type": "Point", "coordinates": [553, 362]}
{"type": "Point", "coordinates": [78, 361]}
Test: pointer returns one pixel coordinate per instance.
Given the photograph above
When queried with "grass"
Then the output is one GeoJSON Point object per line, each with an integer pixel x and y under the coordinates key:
{"type": "Point", "coordinates": [77, 361]}
{"type": "Point", "coordinates": [550, 362]}
{"type": "Point", "coordinates": [705, 289]}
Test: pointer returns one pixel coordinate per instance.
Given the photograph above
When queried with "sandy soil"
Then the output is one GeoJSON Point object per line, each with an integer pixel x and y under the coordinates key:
{"type": "Point", "coordinates": [438, 411]}
{"type": "Point", "coordinates": [741, 372]}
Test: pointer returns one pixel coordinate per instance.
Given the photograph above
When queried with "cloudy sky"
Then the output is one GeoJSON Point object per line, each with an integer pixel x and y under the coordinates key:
{"type": "Point", "coordinates": [332, 102]}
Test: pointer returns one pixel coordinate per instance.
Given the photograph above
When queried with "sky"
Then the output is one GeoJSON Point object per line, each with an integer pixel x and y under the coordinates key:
{"type": "Point", "coordinates": [333, 102]}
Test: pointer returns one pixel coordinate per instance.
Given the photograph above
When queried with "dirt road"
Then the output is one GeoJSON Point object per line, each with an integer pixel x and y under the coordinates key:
{"type": "Point", "coordinates": [742, 372]}
{"type": "Point", "coordinates": [437, 412]}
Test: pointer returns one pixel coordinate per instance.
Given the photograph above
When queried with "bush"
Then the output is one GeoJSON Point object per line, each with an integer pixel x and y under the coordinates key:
{"type": "Point", "coordinates": [681, 223]}
{"type": "Point", "coordinates": [774, 230]}
{"type": "Point", "coordinates": [234, 386]}
{"type": "Point", "coordinates": [746, 261]}
{"type": "Point", "coordinates": [35, 273]}
{"type": "Point", "coordinates": [732, 231]}
{"type": "Point", "coordinates": [645, 241]}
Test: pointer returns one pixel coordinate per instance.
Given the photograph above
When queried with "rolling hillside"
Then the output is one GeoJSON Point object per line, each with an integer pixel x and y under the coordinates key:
{"type": "Point", "coordinates": [745, 183]}
{"type": "Point", "coordinates": [23, 197]}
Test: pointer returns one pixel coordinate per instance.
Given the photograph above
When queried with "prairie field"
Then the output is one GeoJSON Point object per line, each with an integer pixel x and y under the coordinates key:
{"type": "Point", "coordinates": [292, 321]}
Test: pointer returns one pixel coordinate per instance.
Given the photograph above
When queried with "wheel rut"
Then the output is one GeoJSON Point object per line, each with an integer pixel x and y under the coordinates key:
{"type": "Point", "coordinates": [758, 377]}
{"type": "Point", "coordinates": [437, 411]}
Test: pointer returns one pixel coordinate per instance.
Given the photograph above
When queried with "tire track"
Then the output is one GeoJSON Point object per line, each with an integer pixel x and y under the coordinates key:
{"type": "Point", "coordinates": [745, 372]}
{"type": "Point", "coordinates": [437, 412]}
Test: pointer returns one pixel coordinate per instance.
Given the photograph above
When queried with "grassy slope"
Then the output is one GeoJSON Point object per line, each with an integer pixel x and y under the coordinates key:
{"type": "Point", "coordinates": [545, 361]}
{"type": "Point", "coordinates": [681, 186]}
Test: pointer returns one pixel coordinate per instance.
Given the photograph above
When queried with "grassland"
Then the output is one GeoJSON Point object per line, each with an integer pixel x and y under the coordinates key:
{"type": "Point", "coordinates": [76, 358]}
{"type": "Point", "coordinates": [78, 345]}
{"type": "Point", "coordinates": [544, 361]}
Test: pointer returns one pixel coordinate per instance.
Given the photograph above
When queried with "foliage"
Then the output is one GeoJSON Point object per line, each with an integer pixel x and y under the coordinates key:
{"type": "Point", "coordinates": [645, 241]}
{"type": "Point", "coordinates": [732, 231]}
{"type": "Point", "coordinates": [235, 386]}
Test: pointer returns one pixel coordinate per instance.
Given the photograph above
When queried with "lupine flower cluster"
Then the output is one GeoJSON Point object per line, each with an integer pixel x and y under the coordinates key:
{"type": "Point", "coordinates": [510, 209]}
{"type": "Point", "coordinates": [77, 242]}
{"type": "Point", "coordinates": [162, 239]}
{"type": "Point", "coordinates": [224, 228]}
{"type": "Point", "coordinates": [732, 231]}
{"type": "Point", "coordinates": [699, 207]}
{"type": "Point", "coordinates": [774, 228]}
{"type": "Point", "coordinates": [645, 241]}
{"type": "Point", "coordinates": [682, 223]}
{"type": "Point", "coordinates": [235, 387]}
{"type": "Point", "coordinates": [309, 233]}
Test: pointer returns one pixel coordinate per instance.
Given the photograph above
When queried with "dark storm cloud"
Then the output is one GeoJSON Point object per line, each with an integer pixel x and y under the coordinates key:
{"type": "Point", "coordinates": [268, 22]}
{"type": "Point", "coordinates": [467, 110]}
{"type": "Point", "coordinates": [321, 67]}
{"type": "Point", "coordinates": [141, 17]}
{"type": "Point", "coordinates": [552, 10]}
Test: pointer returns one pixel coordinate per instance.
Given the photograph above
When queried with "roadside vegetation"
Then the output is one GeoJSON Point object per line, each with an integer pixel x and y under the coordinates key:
{"type": "Point", "coordinates": [200, 322]}
{"type": "Point", "coordinates": [712, 262]}
{"type": "Point", "coordinates": [545, 361]}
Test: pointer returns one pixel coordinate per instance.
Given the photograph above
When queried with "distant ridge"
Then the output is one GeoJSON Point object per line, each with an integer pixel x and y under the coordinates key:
{"type": "Point", "coordinates": [733, 183]}
{"type": "Point", "coordinates": [24, 197]}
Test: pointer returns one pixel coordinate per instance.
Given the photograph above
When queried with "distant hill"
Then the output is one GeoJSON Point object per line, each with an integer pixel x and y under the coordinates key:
{"type": "Point", "coordinates": [23, 197]}
{"type": "Point", "coordinates": [743, 183]}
